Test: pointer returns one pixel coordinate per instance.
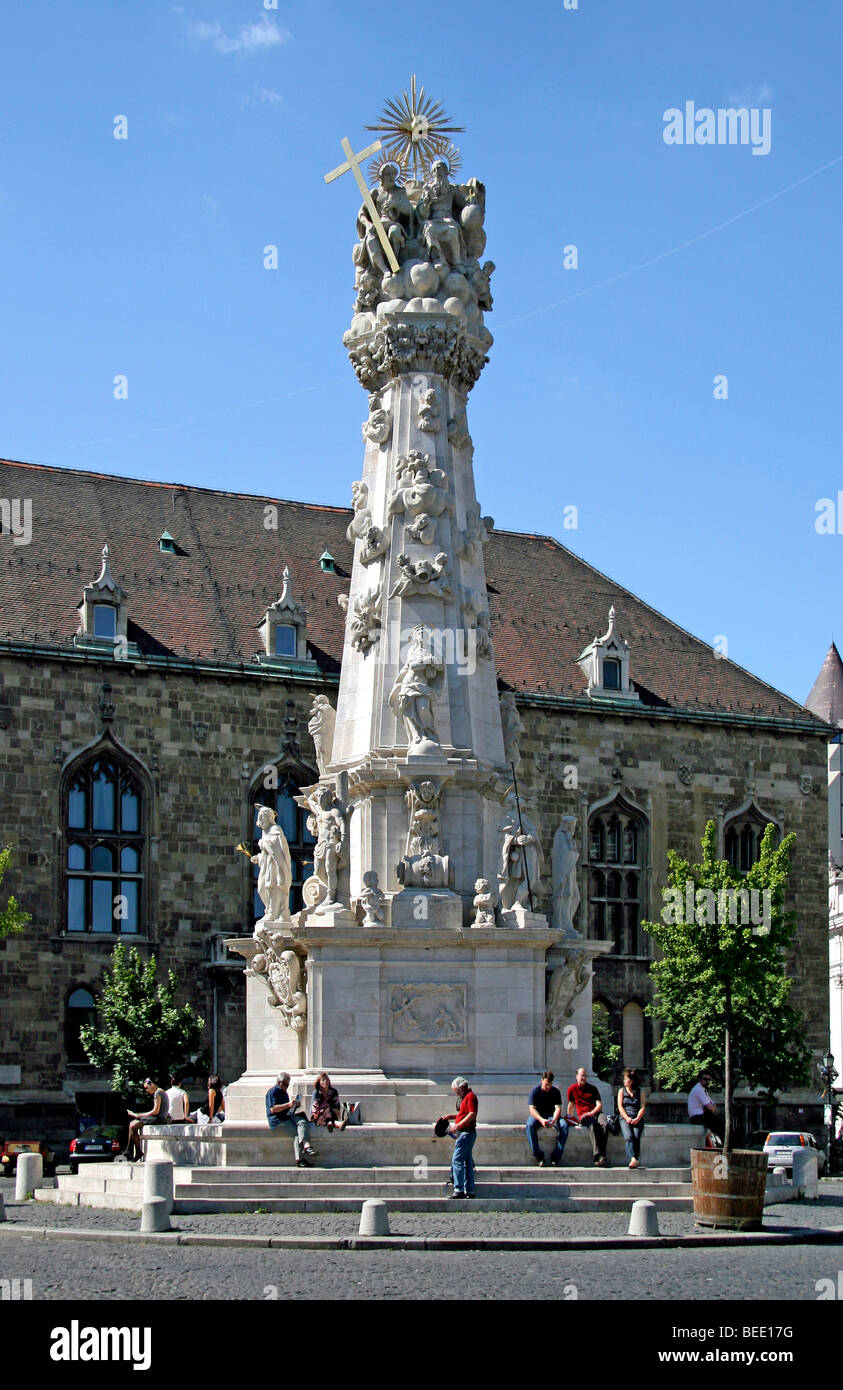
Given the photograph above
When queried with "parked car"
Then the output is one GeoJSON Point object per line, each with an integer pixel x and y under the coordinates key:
{"type": "Point", "coordinates": [99, 1144]}
{"type": "Point", "coordinates": [13, 1147]}
{"type": "Point", "coordinates": [779, 1149]}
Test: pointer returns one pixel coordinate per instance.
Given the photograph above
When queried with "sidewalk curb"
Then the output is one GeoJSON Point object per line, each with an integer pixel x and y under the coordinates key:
{"type": "Point", "coordinates": [809, 1235]}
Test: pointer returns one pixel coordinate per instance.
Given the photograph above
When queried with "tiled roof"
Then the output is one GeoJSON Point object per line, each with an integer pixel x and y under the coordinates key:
{"type": "Point", "coordinates": [207, 599]}
{"type": "Point", "coordinates": [826, 697]}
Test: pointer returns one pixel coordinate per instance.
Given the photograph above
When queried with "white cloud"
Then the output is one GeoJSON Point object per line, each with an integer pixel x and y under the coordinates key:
{"type": "Point", "coordinates": [751, 96]}
{"type": "Point", "coordinates": [252, 38]}
{"type": "Point", "coordinates": [261, 96]}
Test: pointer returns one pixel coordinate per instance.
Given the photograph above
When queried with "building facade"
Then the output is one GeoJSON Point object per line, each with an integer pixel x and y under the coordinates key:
{"type": "Point", "coordinates": [151, 696]}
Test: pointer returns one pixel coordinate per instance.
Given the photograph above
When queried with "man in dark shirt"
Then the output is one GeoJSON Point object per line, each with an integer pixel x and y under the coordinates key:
{"type": "Point", "coordinates": [281, 1112]}
{"type": "Point", "coordinates": [545, 1107]}
{"type": "Point", "coordinates": [584, 1108]}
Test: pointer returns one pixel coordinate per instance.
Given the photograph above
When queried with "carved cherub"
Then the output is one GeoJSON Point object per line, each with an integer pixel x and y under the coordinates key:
{"type": "Point", "coordinates": [423, 529]}
{"type": "Point", "coordinates": [362, 519]}
{"type": "Point", "coordinates": [422, 577]}
{"type": "Point", "coordinates": [379, 424]}
{"type": "Point", "coordinates": [364, 620]}
{"type": "Point", "coordinates": [476, 533]}
{"type": "Point", "coordinates": [428, 415]}
{"type": "Point", "coordinates": [484, 904]}
{"type": "Point", "coordinates": [420, 488]}
{"type": "Point", "coordinates": [375, 544]}
{"type": "Point", "coordinates": [372, 900]}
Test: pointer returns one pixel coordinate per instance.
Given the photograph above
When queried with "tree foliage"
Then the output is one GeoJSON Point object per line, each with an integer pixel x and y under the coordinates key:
{"type": "Point", "coordinates": [140, 1031]}
{"type": "Point", "coordinates": [13, 919]}
{"type": "Point", "coordinates": [604, 1052]}
{"type": "Point", "coordinates": [721, 991]}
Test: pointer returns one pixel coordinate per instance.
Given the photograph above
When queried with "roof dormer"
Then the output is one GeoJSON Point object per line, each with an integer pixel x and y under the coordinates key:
{"type": "Point", "coordinates": [103, 613]}
{"type": "Point", "coordinates": [605, 663]}
{"type": "Point", "coordinates": [283, 628]}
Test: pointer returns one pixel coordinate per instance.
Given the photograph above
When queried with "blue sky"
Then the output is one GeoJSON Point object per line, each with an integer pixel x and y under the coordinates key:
{"type": "Point", "coordinates": [144, 257]}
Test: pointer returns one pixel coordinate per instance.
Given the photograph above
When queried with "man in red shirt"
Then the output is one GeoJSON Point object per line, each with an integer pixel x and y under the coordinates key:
{"type": "Point", "coordinates": [585, 1106]}
{"type": "Point", "coordinates": [464, 1130]}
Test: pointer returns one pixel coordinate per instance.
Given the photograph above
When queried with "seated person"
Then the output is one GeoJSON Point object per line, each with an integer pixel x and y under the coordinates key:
{"type": "Point", "coordinates": [215, 1113]}
{"type": "Point", "coordinates": [281, 1111]}
{"type": "Point", "coordinates": [158, 1115]}
{"type": "Point", "coordinates": [701, 1108]}
{"type": "Point", "coordinates": [584, 1108]}
{"type": "Point", "coordinates": [545, 1107]}
{"type": "Point", "coordinates": [325, 1108]}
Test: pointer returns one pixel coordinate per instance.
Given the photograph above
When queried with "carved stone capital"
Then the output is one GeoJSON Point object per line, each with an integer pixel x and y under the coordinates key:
{"type": "Point", "coordinates": [434, 345]}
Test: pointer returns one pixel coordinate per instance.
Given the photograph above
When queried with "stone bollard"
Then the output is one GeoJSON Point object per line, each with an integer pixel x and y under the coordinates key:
{"type": "Point", "coordinates": [374, 1218]}
{"type": "Point", "coordinates": [643, 1219]}
{"type": "Point", "coordinates": [2, 1207]}
{"type": "Point", "coordinates": [155, 1216]}
{"type": "Point", "coordinates": [30, 1171]}
{"type": "Point", "coordinates": [805, 1176]}
{"type": "Point", "coordinates": [158, 1181]}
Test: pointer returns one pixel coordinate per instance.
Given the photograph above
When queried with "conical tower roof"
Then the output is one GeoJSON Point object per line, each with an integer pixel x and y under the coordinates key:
{"type": "Point", "coordinates": [826, 697]}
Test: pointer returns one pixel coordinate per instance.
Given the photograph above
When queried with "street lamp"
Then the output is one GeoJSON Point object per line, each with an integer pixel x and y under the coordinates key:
{"type": "Point", "coordinates": [828, 1074]}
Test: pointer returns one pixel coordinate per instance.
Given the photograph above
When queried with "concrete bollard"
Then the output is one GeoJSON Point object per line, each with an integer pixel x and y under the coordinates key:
{"type": "Point", "coordinates": [28, 1175]}
{"type": "Point", "coordinates": [155, 1216]}
{"type": "Point", "coordinates": [805, 1175]}
{"type": "Point", "coordinates": [158, 1181]}
{"type": "Point", "coordinates": [2, 1207]}
{"type": "Point", "coordinates": [374, 1218]}
{"type": "Point", "coordinates": [643, 1219]}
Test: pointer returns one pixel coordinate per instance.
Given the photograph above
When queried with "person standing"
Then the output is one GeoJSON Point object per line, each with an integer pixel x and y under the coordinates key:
{"type": "Point", "coordinates": [280, 1110]}
{"type": "Point", "coordinates": [545, 1107]}
{"type": "Point", "coordinates": [701, 1108]}
{"type": "Point", "coordinates": [585, 1108]}
{"type": "Point", "coordinates": [632, 1104]}
{"type": "Point", "coordinates": [463, 1130]}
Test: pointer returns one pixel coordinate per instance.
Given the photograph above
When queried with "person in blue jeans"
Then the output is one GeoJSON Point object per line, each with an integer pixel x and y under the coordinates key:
{"type": "Point", "coordinates": [632, 1104]}
{"type": "Point", "coordinates": [463, 1130]}
{"type": "Point", "coordinates": [280, 1110]}
{"type": "Point", "coordinates": [545, 1107]}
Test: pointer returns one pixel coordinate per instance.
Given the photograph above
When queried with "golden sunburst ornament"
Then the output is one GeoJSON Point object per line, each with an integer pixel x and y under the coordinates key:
{"type": "Point", "coordinates": [415, 130]}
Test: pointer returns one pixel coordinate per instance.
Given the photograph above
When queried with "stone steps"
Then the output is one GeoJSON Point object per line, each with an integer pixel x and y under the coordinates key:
{"type": "Point", "coordinates": [294, 1205]}
{"type": "Point", "coordinates": [290, 1189]}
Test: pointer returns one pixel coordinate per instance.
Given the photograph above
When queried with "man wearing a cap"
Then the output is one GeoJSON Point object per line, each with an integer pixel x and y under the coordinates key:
{"type": "Point", "coordinates": [463, 1129]}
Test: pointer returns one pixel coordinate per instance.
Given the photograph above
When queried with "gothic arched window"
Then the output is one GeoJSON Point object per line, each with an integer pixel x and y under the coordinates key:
{"type": "Point", "coordinates": [293, 821]}
{"type": "Point", "coordinates": [80, 1009]}
{"type": "Point", "coordinates": [616, 861]}
{"type": "Point", "coordinates": [105, 838]}
{"type": "Point", "coordinates": [743, 833]}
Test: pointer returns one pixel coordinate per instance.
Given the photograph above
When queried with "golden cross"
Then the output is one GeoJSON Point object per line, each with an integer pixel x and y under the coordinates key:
{"type": "Point", "coordinates": [353, 163]}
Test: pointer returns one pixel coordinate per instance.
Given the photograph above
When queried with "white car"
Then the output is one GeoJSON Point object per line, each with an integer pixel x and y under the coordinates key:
{"type": "Point", "coordinates": [779, 1149]}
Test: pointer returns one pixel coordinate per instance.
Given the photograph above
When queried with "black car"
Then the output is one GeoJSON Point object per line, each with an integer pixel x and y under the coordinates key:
{"type": "Point", "coordinates": [100, 1144]}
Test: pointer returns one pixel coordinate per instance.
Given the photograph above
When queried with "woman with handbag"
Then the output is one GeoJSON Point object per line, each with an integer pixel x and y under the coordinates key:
{"type": "Point", "coordinates": [632, 1104]}
{"type": "Point", "coordinates": [325, 1107]}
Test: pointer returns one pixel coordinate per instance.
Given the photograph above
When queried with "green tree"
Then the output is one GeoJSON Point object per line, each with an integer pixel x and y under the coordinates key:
{"type": "Point", "coordinates": [13, 919]}
{"type": "Point", "coordinates": [721, 991]}
{"type": "Point", "coordinates": [604, 1052]}
{"type": "Point", "coordinates": [140, 1031]}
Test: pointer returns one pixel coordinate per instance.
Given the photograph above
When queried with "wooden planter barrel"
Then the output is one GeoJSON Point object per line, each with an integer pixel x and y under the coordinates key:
{"type": "Point", "coordinates": [728, 1188]}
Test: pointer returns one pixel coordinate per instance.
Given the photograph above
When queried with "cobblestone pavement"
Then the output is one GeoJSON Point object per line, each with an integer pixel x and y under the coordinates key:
{"type": "Point", "coordinates": [465, 1221]}
{"type": "Point", "coordinates": [113, 1271]}
{"type": "Point", "coordinates": [95, 1270]}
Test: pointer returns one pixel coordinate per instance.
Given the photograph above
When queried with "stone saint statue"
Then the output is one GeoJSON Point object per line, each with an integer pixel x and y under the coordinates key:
{"type": "Point", "coordinates": [440, 231]}
{"type": "Point", "coordinates": [512, 728]}
{"type": "Point", "coordinates": [397, 216]}
{"type": "Point", "coordinates": [413, 695]}
{"type": "Point", "coordinates": [521, 857]}
{"type": "Point", "coordinates": [275, 874]}
{"type": "Point", "coordinates": [327, 823]}
{"type": "Point", "coordinates": [566, 888]}
{"type": "Point", "coordinates": [323, 717]}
